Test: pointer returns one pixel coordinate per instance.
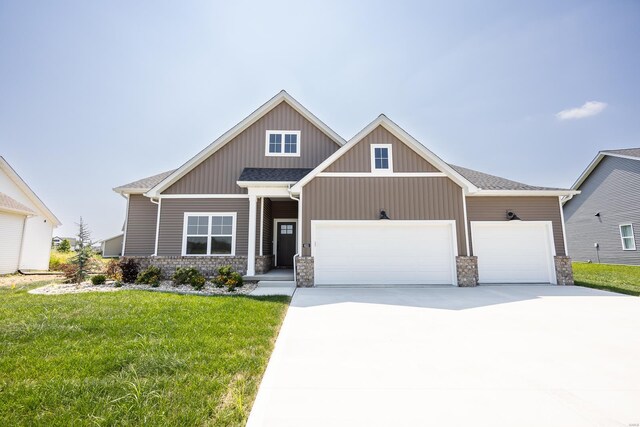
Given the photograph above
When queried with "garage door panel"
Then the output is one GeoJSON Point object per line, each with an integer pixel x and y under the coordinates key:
{"type": "Point", "coordinates": [383, 253]}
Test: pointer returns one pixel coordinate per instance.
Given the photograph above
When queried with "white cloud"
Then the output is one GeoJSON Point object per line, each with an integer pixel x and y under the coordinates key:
{"type": "Point", "coordinates": [589, 109]}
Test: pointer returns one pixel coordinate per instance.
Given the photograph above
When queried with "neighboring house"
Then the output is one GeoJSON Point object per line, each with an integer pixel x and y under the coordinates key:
{"type": "Point", "coordinates": [26, 225]}
{"type": "Point", "coordinates": [603, 221]}
{"type": "Point", "coordinates": [57, 240]}
{"type": "Point", "coordinates": [111, 247]}
{"type": "Point", "coordinates": [283, 190]}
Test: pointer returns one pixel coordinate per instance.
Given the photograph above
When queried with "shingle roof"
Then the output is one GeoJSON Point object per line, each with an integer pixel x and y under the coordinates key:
{"type": "Point", "coordinates": [273, 174]}
{"type": "Point", "coordinates": [633, 152]}
{"type": "Point", "coordinates": [11, 204]}
{"type": "Point", "coordinates": [485, 181]}
{"type": "Point", "coordinates": [145, 183]}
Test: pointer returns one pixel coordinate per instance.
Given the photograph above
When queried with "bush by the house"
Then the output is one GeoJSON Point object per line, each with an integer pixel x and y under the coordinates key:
{"type": "Point", "coordinates": [130, 269]}
{"type": "Point", "coordinates": [70, 272]}
{"type": "Point", "coordinates": [99, 279]}
{"type": "Point", "coordinates": [228, 278]}
{"type": "Point", "coordinates": [150, 276]}
{"type": "Point", "coordinates": [113, 270]}
{"type": "Point", "coordinates": [189, 276]}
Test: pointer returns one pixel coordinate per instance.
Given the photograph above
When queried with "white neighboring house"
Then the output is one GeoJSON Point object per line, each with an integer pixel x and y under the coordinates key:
{"type": "Point", "coordinates": [26, 225]}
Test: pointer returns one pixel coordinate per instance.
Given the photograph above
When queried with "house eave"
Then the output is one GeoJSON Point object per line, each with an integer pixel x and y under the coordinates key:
{"type": "Point", "coordinates": [523, 193]}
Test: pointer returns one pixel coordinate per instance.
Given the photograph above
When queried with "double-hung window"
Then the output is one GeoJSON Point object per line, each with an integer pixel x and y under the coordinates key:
{"type": "Point", "coordinates": [628, 239]}
{"type": "Point", "coordinates": [283, 143]}
{"type": "Point", "coordinates": [209, 234]}
{"type": "Point", "coordinates": [381, 159]}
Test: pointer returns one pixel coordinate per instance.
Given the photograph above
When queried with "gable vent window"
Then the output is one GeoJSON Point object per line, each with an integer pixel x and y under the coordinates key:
{"type": "Point", "coordinates": [381, 159]}
{"type": "Point", "coordinates": [283, 143]}
{"type": "Point", "coordinates": [628, 239]}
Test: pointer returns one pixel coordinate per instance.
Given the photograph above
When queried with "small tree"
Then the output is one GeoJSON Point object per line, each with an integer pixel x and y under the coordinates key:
{"type": "Point", "coordinates": [64, 246]}
{"type": "Point", "coordinates": [84, 255]}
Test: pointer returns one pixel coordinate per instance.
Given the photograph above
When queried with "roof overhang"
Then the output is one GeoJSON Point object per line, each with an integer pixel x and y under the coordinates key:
{"type": "Point", "coordinates": [31, 195]}
{"type": "Point", "coordinates": [266, 188]}
{"type": "Point", "coordinates": [402, 135]}
{"type": "Point", "coordinates": [124, 190]}
{"type": "Point", "coordinates": [523, 193]}
{"type": "Point", "coordinates": [23, 212]}
{"type": "Point", "coordinates": [282, 96]}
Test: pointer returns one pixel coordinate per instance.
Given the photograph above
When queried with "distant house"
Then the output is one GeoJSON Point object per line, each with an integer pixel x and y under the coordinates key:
{"type": "Point", "coordinates": [26, 224]}
{"type": "Point", "coordinates": [112, 247]}
{"type": "Point", "coordinates": [603, 222]}
{"type": "Point", "coordinates": [55, 242]}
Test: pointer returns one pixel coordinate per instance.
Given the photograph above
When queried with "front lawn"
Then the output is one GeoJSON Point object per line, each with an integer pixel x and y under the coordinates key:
{"type": "Point", "coordinates": [624, 279]}
{"type": "Point", "coordinates": [132, 357]}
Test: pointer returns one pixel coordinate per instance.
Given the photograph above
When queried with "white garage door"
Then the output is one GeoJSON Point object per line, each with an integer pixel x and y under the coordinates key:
{"type": "Point", "coordinates": [383, 252]}
{"type": "Point", "coordinates": [514, 251]}
{"type": "Point", "coordinates": [11, 232]}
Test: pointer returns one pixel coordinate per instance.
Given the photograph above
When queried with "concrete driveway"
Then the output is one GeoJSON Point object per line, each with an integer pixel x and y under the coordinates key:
{"type": "Point", "coordinates": [485, 356]}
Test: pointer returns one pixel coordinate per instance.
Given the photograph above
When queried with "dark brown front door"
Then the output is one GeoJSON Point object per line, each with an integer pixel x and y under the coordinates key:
{"type": "Point", "coordinates": [286, 241]}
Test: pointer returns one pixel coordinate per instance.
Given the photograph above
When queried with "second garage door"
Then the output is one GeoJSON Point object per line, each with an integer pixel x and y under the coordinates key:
{"type": "Point", "coordinates": [384, 252]}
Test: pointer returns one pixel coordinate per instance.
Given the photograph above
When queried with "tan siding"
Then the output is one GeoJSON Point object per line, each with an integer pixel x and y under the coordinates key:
{"type": "Point", "coordinates": [172, 221]}
{"type": "Point", "coordinates": [527, 209]}
{"type": "Point", "coordinates": [282, 209]}
{"type": "Point", "coordinates": [358, 158]}
{"type": "Point", "coordinates": [141, 226]}
{"type": "Point", "coordinates": [363, 198]}
{"type": "Point", "coordinates": [218, 174]}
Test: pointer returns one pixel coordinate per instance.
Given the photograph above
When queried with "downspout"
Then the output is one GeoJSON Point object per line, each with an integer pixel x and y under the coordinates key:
{"type": "Point", "coordinates": [24, 228]}
{"type": "Point", "coordinates": [295, 257]}
{"type": "Point", "coordinates": [155, 252]}
{"type": "Point", "coordinates": [126, 223]}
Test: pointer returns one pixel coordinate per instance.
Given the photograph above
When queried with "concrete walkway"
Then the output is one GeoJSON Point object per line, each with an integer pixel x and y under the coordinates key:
{"type": "Point", "coordinates": [486, 356]}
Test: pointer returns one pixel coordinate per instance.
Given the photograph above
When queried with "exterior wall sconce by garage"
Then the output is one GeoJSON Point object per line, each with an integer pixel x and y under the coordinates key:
{"type": "Point", "coordinates": [511, 216]}
{"type": "Point", "coordinates": [383, 215]}
{"type": "Point", "coordinates": [597, 214]}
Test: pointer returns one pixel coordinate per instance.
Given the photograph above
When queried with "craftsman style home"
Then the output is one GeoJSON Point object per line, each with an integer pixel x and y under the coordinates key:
{"type": "Point", "coordinates": [283, 190]}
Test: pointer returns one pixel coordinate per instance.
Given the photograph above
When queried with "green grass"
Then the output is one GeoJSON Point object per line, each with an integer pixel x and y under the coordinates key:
{"type": "Point", "coordinates": [624, 279]}
{"type": "Point", "coordinates": [132, 357]}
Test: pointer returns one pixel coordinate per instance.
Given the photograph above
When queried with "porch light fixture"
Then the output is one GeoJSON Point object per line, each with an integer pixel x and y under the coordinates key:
{"type": "Point", "coordinates": [383, 215]}
{"type": "Point", "coordinates": [597, 214]}
{"type": "Point", "coordinates": [511, 216]}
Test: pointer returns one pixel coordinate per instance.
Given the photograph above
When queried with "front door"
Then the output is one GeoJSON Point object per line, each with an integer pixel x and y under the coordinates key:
{"type": "Point", "coordinates": [286, 244]}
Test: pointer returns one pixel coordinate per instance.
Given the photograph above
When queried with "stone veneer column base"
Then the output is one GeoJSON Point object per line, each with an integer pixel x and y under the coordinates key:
{"type": "Point", "coordinates": [304, 271]}
{"type": "Point", "coordinates": [564, 270]}
{"type": "Point", "coordinates": [263, 263]}
{"type": "Point", "coordinates": [467, 269]}
{"type": "Point", "coordinates": [208, 265]}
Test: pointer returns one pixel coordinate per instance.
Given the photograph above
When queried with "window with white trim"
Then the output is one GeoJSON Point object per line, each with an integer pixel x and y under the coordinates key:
{"type": "Point", "coordinates": [209, 234]}
{"type": "Point", "coordinates": [381, 159]}
{"type": "Point", "coordinates": [628, 239]}
{"type": "Point", "coordinates": [283, 143]}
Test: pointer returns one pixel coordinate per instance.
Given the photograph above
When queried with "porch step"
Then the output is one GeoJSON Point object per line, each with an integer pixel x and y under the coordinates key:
{"type": "Point", "coordinates": [277, 284]}
{"type": "Point", "coordinates": [272, 276]}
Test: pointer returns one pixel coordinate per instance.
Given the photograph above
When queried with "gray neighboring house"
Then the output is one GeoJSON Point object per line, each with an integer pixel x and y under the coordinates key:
{"type": "Point", "coordinates": [112, 246]}
{"type": "Point", "coordinates": [283, 190]}
{"type": "Point", "coordinates": [603, 221]}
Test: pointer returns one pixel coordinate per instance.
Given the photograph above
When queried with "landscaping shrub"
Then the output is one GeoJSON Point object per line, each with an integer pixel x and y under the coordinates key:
{"type": "Point", "coordinates": [70, 272]}
{"type": "Point", "coordinates": [150, 276]}
{"type": "Point", "coordinates": [113, 270]}
{"type": "Point", "coordinates": [57, 260]}
{"type": "Point", "coordinates": [64, 246]}
{"type": "Point", "coordinates": [99, 279]}
{"type": "Point", "coordinates": [189, 276]}
{"type": "Point", "coordinates": [228, 278]}
{"type": "Point", "coordinates": [130, 269]}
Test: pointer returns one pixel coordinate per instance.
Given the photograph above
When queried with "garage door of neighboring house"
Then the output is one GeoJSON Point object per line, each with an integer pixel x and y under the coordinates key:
{"type": "Point", "coordinates": [384, 252]}
{"type": "Point", "coordinates": [514, 251]}
{"type": "Point", "coordinates": [11, 232]}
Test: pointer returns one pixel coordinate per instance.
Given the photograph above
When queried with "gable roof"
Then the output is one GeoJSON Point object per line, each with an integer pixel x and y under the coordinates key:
{"type": "Point", "coordinates": [9, 204]}
{"type": "Point", "coordinates": [624, 153]}
{"type": "Point", "coordinates": [24, 187]}
{"type": "Point", "coordinates": [282, 96]}
{"type": "Point", "coordinates": [485, 181]}
{"type": "Point", "coordinates": [142, 185]}
{"type": "Point", "coordinates": [273, 174]}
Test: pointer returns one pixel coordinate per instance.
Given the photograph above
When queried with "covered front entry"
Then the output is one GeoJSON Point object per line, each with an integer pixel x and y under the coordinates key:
{"type": "Point", "coordinates": [514, 251]}
{"type": "Point", "coordinates": [384, 252]}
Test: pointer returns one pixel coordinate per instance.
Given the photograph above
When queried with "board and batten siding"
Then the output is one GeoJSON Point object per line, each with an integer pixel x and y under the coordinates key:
{"type": "Point", "coordinates": [142, 216]}
{"type": "Point", "coordinates": [172, 221]}
{"type": "Point", "coordinates": [613, 190]}
{"type": "Point", "coordinates": [527, 209]}
{"type": "Point", "coordinates": [218, 174]}
{"type": "Point", "coordinates": [267, 224]}
{"type": "Point", "coordinates": [347, 198]}
{"type": "Point", "coordinates": [358, 158]}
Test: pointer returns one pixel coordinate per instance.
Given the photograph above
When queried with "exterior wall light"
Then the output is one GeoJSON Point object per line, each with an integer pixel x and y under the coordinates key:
{"type": "Point", "coordinates": [383, 215]}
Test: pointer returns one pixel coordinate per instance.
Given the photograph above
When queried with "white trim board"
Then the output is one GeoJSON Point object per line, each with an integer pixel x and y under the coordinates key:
{"type": "Point", "coordinates": [379, 174]}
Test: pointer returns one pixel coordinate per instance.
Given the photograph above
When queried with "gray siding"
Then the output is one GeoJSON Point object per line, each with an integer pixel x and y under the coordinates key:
{"type": "Point", "coordinates": [218, 174]}
{"type": "Point", "coordinates": [284, 209]}
{"type": "Point", "coordinates": [112, 248]}
{"type": "Point", "coordinates": [527, 209]}
{"type": "Point", "coordinates": [267, 223]}
{"type": "Point", "coordinates": [362, 199]}
{"type": "Point", "coordinates": [142, 217]}
{"type": "Point", "coordinates": [613, 189]}
{"type": "Point", "coordinates": [172, 221]}
{"type": "Point", "coordinates": [358, 158]}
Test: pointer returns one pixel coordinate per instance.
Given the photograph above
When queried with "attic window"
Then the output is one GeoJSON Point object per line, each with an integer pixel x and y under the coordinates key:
{"type": "Point", "coordinates": [381, 159]}
{"type": "Point", "coordinates": [282, 143]}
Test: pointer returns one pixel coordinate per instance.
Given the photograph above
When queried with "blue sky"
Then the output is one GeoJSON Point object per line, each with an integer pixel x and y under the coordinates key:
{"type": "Point", "coordinates": [98, 94]}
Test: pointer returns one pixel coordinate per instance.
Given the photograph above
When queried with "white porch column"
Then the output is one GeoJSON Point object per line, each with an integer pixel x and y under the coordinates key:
{"type": "Point", "coordinates": [251, 253]}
